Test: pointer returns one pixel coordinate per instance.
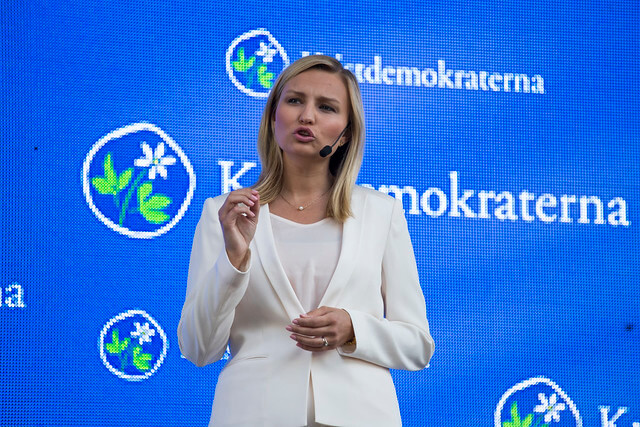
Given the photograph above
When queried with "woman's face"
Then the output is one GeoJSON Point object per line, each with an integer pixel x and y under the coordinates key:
{"type": "Point", "coordinates": [312, 111]}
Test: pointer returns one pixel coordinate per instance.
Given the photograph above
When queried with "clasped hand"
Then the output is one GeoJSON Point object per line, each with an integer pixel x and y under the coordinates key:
{"type": "Point", "coordinates": [324, 324]}
{"type": "Point", "coordinates": [239, 218]}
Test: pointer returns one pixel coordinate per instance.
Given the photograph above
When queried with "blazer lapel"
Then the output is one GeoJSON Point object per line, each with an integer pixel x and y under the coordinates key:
{"type": "Point", "coordinates": [351, 231]}
{"type": "Point", "coordinates": [268, 255]}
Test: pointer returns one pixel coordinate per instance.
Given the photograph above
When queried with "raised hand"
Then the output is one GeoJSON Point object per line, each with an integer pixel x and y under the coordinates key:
{"type": "Point", "coordinates": [239, 218]}
{"type": "Point", "coordinates": [324, 328]}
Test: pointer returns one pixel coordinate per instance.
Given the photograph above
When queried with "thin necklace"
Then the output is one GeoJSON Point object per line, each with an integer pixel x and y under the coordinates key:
{"type": "Point", "coordinates": [303, 207]}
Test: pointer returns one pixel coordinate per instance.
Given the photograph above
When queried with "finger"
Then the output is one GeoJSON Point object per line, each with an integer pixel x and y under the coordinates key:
{"type": "Point", "coordinates": [231, 211]}
{"type": "Point", "coordinates": [243, 210]}
{"type": "Point", "coordinates": [234, 206]}
{"type": "Point", "coordinates": [314, 349]}
{"type": "Point", "coordinates": [238, 199]}
{"type": "Point", "coordinates": [317, 312]}
{"type": "Point", "coordinates": [245, 202]}
{"type": "Point", "coordinates": [245, 195]}
{"type": "Point", "coordinates": [255, 208]}
{"type": "Point", "coordinates": [313, 322]}
{"type": "Point", "coordinates": [310, 332]}
{"type": "Point", "coordinates": [317, 343]}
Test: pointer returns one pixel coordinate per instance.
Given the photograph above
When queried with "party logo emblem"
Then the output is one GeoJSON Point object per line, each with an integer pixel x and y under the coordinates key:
{"type": "Point", "coordinates": [132, 345]}
{"type": "Point", "coordinates": [138, 181]}
{"type": "Point", "coordinates": [254, 60]}
{"type": "Point", "coordinates": [536, 402]}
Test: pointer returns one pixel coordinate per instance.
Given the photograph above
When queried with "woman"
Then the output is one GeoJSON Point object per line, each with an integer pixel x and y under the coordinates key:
{"type": "Point", "coordinates": [310, 279]}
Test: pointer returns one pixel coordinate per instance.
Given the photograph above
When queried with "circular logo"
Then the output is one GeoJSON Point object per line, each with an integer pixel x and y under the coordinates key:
{"type": "Point", "coordinates": [138, 181]}
{"type": "Point", "coordinates": [536, 402]}
{"type": "Point", "coordinates": [132, 345]}
{"type": "Point", "coordinates": [254, 59]}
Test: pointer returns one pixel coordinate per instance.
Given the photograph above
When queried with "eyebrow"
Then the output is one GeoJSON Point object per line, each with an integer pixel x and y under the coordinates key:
{"type": "Point", "coordinates": [321, 98]}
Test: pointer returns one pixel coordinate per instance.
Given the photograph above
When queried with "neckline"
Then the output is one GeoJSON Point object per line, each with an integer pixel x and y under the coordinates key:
{"type": "Point", "coordinates": [265, 245]}
{"type": "Point", "coordinates": [298, 224]}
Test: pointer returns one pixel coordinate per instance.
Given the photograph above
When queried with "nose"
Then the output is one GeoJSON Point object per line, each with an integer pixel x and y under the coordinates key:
{"type": "Point", "coordinates": [306, 115]}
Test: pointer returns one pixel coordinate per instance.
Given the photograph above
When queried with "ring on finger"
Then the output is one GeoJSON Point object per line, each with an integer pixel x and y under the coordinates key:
{"type": "Point", "coordinates": [325, 343]}
{"type": "Point", "coordinates": [242, 205]}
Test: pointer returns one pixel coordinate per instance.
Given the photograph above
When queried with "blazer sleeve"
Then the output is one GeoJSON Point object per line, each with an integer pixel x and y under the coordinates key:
{"type": "Point", "coordinates": [214, 289]}
{"type": "Point", "coordinates": [400, 340]}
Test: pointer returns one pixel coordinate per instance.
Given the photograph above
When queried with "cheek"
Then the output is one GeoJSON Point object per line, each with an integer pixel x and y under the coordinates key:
{"type": "Point", "coordinates": [276, 128]}
{"type": "Point", "coordinates": [279, 119]}
{"type": "Point", "coordinates": [337, 128]}
{"type": "Point", "coordinates": [280, 112]}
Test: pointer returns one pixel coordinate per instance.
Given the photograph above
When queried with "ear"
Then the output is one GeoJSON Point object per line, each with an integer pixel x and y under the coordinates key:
{"type": "Point", "coordinates": [346, 138]}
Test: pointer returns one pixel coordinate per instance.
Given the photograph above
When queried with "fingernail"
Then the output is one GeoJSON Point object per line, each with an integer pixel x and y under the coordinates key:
{"type": "Point", "coordinates": [293, 337]}
{"type": "Point", "coordinates": [289, 328]}
{"type": "Point", "coordinates": [295, 321]}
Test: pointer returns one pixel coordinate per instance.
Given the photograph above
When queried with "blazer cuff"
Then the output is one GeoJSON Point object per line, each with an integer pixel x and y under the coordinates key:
{"type": "Point", "coordinates": [349, 348]}
{"type": "Point", "coordinates": [227, 267]}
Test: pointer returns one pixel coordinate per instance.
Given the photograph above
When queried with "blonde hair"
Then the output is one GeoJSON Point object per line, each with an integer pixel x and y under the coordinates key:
{"type": "Point", "coordinates": [344, 164]}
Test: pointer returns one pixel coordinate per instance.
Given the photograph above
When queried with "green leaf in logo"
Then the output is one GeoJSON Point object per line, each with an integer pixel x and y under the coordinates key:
{"type": "Point", "coordinates": [143, 191]}
{"type": "Point", "coordinates": [141, 360]}
{"type": "Point", "coordinates": [114, 346]}
{"type": "Point", "coordinates": [107, 184]}
{"type": "Point", "coordinates": [155, 217]}
{"type": "Point", "coordinates": [152, 208]}
{"type": "Point", "coordinates": [124, 178]}
{"type": "Point", "coordinates": [515, 418]}
{"type": "Point", "coordinates": [102, 186]}
{"type": "Point", "coordinates": [109, 172]}
{"type": "Point", "coordinates": [265, 78]}
{"type": "Point", "coordinates": [243, 64]}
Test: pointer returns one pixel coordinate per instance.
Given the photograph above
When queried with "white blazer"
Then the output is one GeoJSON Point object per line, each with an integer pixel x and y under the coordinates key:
{"type": "Point", "coordinates": [266, 381]}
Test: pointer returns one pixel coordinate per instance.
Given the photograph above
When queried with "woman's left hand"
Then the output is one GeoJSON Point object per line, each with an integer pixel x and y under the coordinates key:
{"type": "Point", "coordinates": [324, 328]}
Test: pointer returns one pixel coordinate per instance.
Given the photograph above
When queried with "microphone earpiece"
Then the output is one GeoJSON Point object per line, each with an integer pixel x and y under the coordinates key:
{"type": "Point", "coordinates": [326, 150]}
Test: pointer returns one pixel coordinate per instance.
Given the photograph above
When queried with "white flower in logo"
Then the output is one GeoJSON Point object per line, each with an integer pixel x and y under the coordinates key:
{"type": "Point", "coordinates": [551, 406]}
{"type": "Point", "coordinates": [142, 333]}
{"type": "Point", "coordinates": [253, 71]}
{"type": "Point", "coordinates": [157, 160]}
{"type": "Point", "coordinates": [266, 51]}
{"type": "Point", "coordinates": [128, 199]}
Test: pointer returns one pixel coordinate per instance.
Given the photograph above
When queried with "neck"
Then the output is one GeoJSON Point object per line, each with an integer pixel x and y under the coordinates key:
{"type": "Point", "coordinates": [306, 181]}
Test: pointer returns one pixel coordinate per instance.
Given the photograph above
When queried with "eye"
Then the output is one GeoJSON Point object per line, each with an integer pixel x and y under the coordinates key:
{"type": "Point", "coordinates": [293, 100]}
{"type": "Point", "coordinates": [326, 107]}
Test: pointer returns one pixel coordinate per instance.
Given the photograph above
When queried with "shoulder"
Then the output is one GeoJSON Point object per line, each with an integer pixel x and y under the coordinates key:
{"type": "Point", "coordinates": [212, 205]}
{"type": "Point", "coordinates": [374, 202]}
{"type": "Point", "coordinates": [361, 194]}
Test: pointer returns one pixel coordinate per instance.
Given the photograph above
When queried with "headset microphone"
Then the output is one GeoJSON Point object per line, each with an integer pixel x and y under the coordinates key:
{"type": "Point", "coordinates": [326, 150]}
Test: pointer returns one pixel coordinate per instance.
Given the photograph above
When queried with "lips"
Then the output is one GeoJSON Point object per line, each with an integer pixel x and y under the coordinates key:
{"type": "Point", "coordinates": [304, 134]}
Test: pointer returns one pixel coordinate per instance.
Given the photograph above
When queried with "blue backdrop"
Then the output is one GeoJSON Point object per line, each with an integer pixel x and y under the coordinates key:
{"type": "Point", "coordinates": [509, 129]}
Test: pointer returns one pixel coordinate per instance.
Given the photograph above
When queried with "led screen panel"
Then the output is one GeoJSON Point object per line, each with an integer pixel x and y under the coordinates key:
{"type": "Point", "coordinates": [509, 131]}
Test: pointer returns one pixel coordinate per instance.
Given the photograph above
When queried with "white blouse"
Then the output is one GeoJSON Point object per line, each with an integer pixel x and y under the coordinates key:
{"type": "Point", "coordinates": [309, 254]}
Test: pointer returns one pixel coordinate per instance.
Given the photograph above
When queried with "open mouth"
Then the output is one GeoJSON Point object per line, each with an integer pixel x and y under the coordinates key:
{"type": "Point", "coordinates": [304, 132]}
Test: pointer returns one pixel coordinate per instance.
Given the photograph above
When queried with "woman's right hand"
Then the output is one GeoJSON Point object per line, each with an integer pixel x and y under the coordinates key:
{"type": "Point", "coordinates": [239, 218]}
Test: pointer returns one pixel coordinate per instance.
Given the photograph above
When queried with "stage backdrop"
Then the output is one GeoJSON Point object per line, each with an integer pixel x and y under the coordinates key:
{"type": "Point", "coordinates": [510, 131]}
